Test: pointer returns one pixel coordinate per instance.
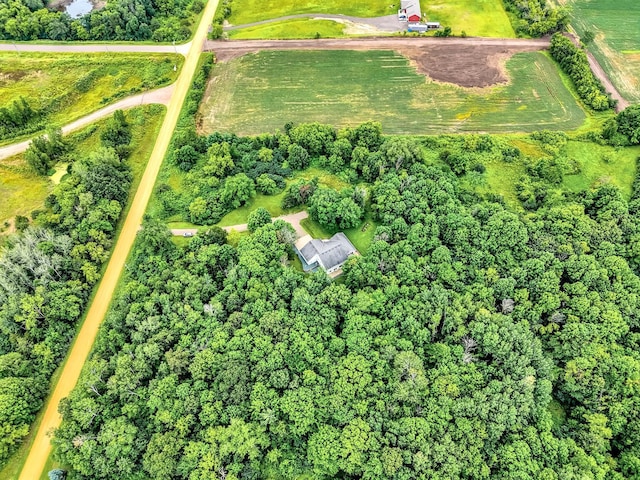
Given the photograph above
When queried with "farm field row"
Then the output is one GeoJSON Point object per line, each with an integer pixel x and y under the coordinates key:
{"type": "Point", "coordinates": [66, 86]}
{"type": "Point", "coordinates": [617, 43]}
{"type": "Point", "coordinates": [251, 95]}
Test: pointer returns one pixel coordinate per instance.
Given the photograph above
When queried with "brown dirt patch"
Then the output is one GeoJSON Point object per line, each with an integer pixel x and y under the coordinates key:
{"type": "Point", "coordinates": [468, 66]}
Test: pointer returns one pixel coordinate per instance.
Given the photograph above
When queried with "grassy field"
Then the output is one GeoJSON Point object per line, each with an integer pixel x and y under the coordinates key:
{"type": "Point", "coordinates": [22, 191]}
{"type": "Point", "coordinates": [597, 165]}
{"type": "Point", "coordinates": [248, 11]}
{"type": "Point", "coordinates": [480, 18]}
{"type": "Point", "coordinates": [68, 86]}
{"type": "Point", "coordinates": [617, 45]}
{"type": "Point", "coordinates": [261, 92]}
{"type": "Point", "coordinates": [288, 29]}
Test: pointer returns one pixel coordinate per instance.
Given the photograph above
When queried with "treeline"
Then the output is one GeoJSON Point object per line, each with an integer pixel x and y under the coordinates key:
{"type": "Point", "coordinates": [470, 341]}
{"type": "Point", "coordinates": [19, 118]}
{"type": "Point", "coordinates": [46, 277]}
{"type": "Point", "coordinates": [574, 63]}
{"type": "Point", "coordinates": [121, 20]}
{"type": "Point", "coordinates": [537, 17]}
{"type": "Point", "coordinates": [222, 172]}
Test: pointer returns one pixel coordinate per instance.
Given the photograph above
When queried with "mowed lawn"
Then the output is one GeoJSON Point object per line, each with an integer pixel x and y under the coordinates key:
{"type": "Point", "coordinates": [67, 86]}
{"type": "Point", "coordinates": [248, 11]}
{"type": "Point", "coordinates": [617, 26]}
{"type": "Point", "coordinates": [261, 92]}
{"type": "Point", "coordinates": [479, 18]}
{"type": "Point", "coordinates": [288, 29]}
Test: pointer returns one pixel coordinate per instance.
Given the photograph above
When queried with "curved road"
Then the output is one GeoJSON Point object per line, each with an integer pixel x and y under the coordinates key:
{"type": "Point", "coordinates": [388, 23]}
{"type": "Point", "coordinates": [41, 447]}
{"type": "Point", "coordinates": [162, 96]}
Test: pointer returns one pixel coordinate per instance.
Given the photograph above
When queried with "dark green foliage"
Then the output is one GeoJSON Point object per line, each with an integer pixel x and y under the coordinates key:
{"type": "Point", "coordinates": [45, 151]}
{"type": "Point", "coordinates": [117, 134]}
{"type": "Point", "coordinates": [258, 218]}
{"type": "Point", "coordinates": [335, 210]}
{"type": "Point", "coordinates": [537, 17]}
{"type": "Point", "coordinates": [18, 119]}
{"type": "Point", "coordinates": [299, 193]}
{"type": "Point", "coordinates": [445, 32]}
{"type": "Point", "coordinates": [298, 157]}
{"type": "Point", "coordinates": [626, 125]}
{"type": "Point", "coordinates": [21, 223]}
{"type": "Point", "coordinates": [468, 342]}
{"type": "Point", "coordinates": [122, 20]}
{"type": "Point", "coordinates": [316, 138]}
{"type": "Point", "coordinates": [574, 62]}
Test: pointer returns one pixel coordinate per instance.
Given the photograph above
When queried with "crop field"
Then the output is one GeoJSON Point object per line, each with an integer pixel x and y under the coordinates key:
{"type": "Point", "coordinates": [481, 18]}
{"type": "Point", "coordinates": [261, 92]}
{"type": "Point", "coordinates": [22, 191]}
{"type": "Point", "coordinates": [66, 87]}
{"type": "Point", "coordinates": [617, 45]}
{"type": "Point", "coordinates": [248, 11]}
{"type": "Point", "coordinates": [288, 29]}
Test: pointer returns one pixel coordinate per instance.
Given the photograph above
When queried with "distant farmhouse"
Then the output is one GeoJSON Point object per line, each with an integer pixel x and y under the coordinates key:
{"type": "Point", "coordinates": [329, 255]}
{"type": "Point", "coordinates": [409, 11]}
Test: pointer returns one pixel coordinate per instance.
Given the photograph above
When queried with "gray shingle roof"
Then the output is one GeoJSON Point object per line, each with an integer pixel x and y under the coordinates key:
{"type": "Point", "coordinates": [328, 253]}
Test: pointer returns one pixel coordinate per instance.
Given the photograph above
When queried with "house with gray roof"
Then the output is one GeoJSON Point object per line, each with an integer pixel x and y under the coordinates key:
{"type": "Point", "coordinates": [329, 255]}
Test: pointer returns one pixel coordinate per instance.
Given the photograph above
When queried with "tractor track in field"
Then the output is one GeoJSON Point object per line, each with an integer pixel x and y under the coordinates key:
{"type": "Point", "coordinates": [467, 62]}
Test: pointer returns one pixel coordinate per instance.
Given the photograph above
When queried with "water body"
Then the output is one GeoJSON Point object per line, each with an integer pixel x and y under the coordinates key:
{"type": "Point", "coordinates": [78, 8]}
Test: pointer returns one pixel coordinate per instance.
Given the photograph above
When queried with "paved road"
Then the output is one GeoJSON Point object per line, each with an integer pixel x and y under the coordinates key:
{"type": "Point", "coordinates": [388, 23]}
{"type": "Point", "coordinates": [41, 447]}
{"type": "Point", "coordinates": [294, 219]}
{"type": "Point", "coordinates": [95, 48]}
{"type": "Point", "coordinates": [162, 96]}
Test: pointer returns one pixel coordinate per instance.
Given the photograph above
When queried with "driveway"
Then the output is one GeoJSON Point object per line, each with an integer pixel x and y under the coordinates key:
{"type": "Point", "coordinates": [386, 24]}
{"type": "Point", "coordinates": [294, 219]}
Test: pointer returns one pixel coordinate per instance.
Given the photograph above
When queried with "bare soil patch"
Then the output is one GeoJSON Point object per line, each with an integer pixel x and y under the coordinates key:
{"type": "Point", "coordinates": [467, 66]}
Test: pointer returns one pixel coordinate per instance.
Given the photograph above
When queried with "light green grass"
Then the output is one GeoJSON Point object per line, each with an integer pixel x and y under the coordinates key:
{"type": "Point", "coordinates": [360, 239]}
{"type": "Point", "coordinates": [273, 202]}
{"type": "Point", "coordinates": [69, 86]}
{"type": "Point", "coordinates": [291, 29]}
{"type": "Point", "coordinates": [261, 92]}
{"type": "Point", "coordinates": [618, 35]}
{"type": "Point", "coordinates": [146, 122]}
{"type": "Point", "coordinates": [21, 190]}
{"type": "Point", "coordinates": [480, 18]}
{"type": "Point", "coordinates": [601, 164]}
{"type": "Point", "coordinates": [248, 11]}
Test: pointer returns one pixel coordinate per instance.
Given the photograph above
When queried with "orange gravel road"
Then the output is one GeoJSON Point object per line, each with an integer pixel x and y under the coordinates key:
{"type": "Point", "coordinates": [41, 447]}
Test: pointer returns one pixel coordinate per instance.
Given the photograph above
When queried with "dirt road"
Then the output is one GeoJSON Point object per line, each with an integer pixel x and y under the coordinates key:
{"type": "Point", "coordinates": [162, 96]}
{"type": "Point", "coordinates": [41, 447]}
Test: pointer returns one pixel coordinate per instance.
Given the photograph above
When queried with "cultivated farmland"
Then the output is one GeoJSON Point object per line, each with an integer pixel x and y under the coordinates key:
{"type": "Point", "coordinates": [65, 87]}
{"type": "Point", "coordinates": [617, 44]}
{"type": "Point", "coordinates": [261, 92]}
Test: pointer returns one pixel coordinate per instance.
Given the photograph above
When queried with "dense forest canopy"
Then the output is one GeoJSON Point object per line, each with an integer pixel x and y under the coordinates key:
{"type": "Point", "coordinates": [48, 271]}
{"type": "Point", "coordinates": [158, 20]}
{"type": "Point", "coordinates": [472, 340]}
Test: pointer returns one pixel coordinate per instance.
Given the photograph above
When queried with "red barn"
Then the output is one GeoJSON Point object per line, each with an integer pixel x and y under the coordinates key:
{"type": "Point", "coordinates": [410, 10]}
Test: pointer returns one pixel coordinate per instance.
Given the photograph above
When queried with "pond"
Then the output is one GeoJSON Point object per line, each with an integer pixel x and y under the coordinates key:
{"type": "Point", "coordinates": [78, 8]}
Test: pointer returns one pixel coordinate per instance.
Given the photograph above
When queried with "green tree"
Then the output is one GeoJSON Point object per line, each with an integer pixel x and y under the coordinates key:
{"type": "Point", "coordinates": [257, 218]}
